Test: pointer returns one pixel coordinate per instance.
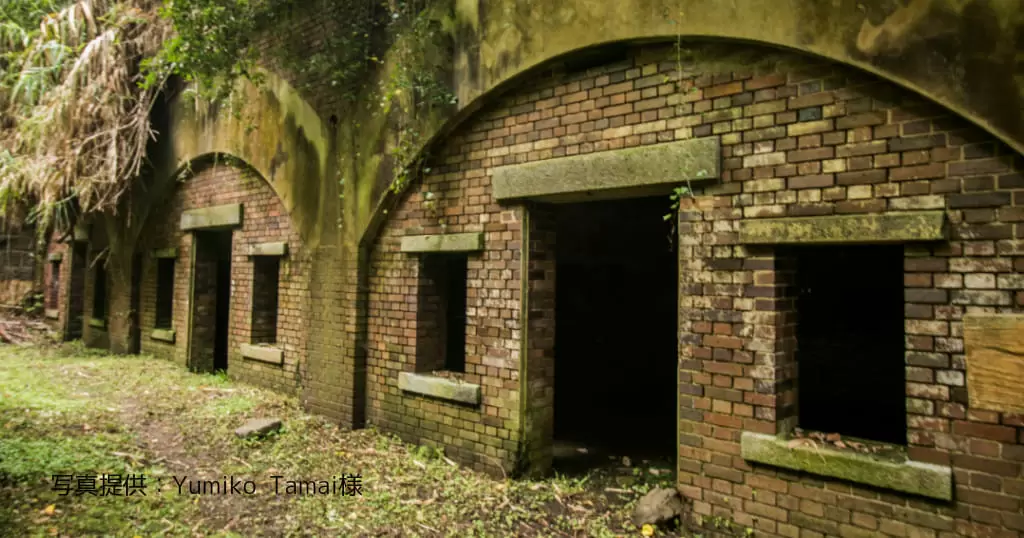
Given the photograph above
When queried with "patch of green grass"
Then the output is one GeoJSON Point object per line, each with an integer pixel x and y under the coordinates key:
{"type": "Point", "coordinates": [24, 459]}
{"type": "Point", "coordinates": [228, 405]}
{"type": "Point", "coordinates": [83, 407]}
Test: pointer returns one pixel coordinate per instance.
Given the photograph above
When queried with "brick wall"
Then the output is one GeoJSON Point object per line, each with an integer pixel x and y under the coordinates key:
{"type": "Point", "coordinates": [485, 436]}
{"type": "Point", "coordinates": [264, 220]}
{"type": "Point", "coordinates": [799, 138]}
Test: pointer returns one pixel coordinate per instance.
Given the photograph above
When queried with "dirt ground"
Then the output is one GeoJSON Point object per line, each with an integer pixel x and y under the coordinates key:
{"type": "Point", "coordinates": [65, 410]}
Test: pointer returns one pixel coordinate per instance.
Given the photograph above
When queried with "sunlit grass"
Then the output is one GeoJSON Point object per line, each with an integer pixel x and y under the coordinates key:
{"type": "Point", "coordinates": [69, 409]}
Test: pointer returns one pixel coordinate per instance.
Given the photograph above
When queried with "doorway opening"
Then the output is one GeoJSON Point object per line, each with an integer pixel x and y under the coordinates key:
{"type": "Point", "coordinates": [76, 291]}
{"type": "Point", "coordinates": [616, 330]}
{"type": "Point", "coordinates": [211, 302]}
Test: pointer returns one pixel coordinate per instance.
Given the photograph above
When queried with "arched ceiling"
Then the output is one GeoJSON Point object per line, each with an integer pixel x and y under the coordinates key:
{"type": "Point", "coordinates": [963, 54]}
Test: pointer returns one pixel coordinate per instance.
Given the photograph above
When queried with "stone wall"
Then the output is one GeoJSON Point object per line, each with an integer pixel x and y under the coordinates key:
{"type": "Point", "coordinates": [263, 220]}
{"type": "Point", "coordinates": [799, 138]}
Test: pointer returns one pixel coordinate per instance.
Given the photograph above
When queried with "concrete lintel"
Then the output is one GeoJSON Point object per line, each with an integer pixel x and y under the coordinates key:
{"type": "Point", "coordinates": [925, 479]}
{"type": "Point", "coordinates": [277, 248]}
{"type": "Point", "coordinates": [875, 228]}
{"type": "Point", "coordinates": [220, 216]}
{"type": "Point", "coordinates": [163, 335]}
{"type": "Point", "coordinates": [624, 169]}
{"type": "Point", "coordinates": [263, 353]}
{"type": "Point", "coordinates": [440, 387]}
{"type": "Point", "coordinates": [55, 257]}
{"type": "Point", "coordinates": [52, 313]}
{"type": "Point", "coordinates": [466, 242]}
{"type": "Point", "coordinates": [98, 323]}
{"type": "Point", "coordinates": [165, 253]}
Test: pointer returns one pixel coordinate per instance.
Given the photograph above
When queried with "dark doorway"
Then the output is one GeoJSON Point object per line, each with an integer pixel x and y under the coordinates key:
{"type": "Point", "coordinates": [850, 343]}
{"type": "Point", "coordinates": [211, 301]}
{"type": "Point", "coordinates": [616, 328]}
{"type": "Point", "coordinates": [76, 291]}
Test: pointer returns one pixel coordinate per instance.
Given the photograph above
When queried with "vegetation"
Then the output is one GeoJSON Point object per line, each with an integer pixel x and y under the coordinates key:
{"type": "Point", "coordinates": [68, 409]}
{"type": "Point", "coordinates": [78, 80]}
{"type": "Point", "coordinates": [76, 122]}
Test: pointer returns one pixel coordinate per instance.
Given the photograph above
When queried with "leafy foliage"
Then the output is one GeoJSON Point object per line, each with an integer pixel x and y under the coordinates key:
{"type": "Point", "coordinates": [76, 123]}
{"type": "Point", "coordinates": [78, 80]}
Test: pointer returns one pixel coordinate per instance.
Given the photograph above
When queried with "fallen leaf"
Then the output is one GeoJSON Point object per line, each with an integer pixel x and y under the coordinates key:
{"type": "Point", "coordinates": [49, 510]}
{"type": "Point", "coordinates": [647, 530]}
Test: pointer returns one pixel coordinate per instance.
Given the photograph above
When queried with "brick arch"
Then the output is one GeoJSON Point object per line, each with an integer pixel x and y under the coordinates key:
{"type": "Point", "coordinates": [274, 131]}
{"type": "Point", "coordinates": [508, 79]}
{"type": "Point", "coordinates": [265, 220]}
{"type": "Point", "coordinates": [956, 52]}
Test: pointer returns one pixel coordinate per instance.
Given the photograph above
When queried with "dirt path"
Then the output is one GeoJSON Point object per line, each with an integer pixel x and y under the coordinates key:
{"type": "Point", "coordinates": [71, 410]}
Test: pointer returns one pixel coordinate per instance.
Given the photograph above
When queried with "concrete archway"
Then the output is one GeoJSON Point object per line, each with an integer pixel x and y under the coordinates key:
{"type": "Point", "coordinates": [268, 127]}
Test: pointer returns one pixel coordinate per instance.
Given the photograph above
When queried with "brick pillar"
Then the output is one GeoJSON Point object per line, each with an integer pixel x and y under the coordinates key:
{"type": "Point", "coordinates": [774, 338]}
{"type": "Point", "coordinates": [539, 359]}
{"type": "Point", "coordinates": [330, 380]}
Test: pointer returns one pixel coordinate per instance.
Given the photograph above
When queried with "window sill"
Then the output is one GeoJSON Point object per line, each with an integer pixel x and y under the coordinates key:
{"type": "Point", "coordinates": [263, 353]}
{"type": "Point", "coordinates": [439, 387]}
{"type": "Point", "coordinates": [925, 479]}
{"type": "Point", "coordinates": [52, 313]}
{"type": "Point", "coordinates": [98, 323]}
{"type": "Point", "coordinates": [163, 335]}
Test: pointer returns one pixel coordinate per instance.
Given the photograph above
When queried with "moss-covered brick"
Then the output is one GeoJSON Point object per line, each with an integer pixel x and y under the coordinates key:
{"type": "Point", "coordinates": [935, 481]}
{"type": "Point", "coordinates": [212, 217]}
{"type": "Point", "coordinates": [624, 169]}
{"type": "Point", "coordinates": [879, 228]}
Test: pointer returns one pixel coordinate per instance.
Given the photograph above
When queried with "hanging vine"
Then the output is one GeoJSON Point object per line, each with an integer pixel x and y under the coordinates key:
{"type": "Point", "coordinates": [218, 42]}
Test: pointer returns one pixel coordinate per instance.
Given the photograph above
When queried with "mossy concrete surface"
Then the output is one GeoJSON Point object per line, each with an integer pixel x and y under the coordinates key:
{"type": "Point", "coordinates": [959, 53]}
{"type": "Point", "coordinates": [267, 354]}
{"type": "Point", "coordinates": [439, 387]}
{"type": "Point", "coordinates": [888, 228]}
{"type": "Point", "coordinates": [277, 248]}
{"type": "Point", "coordinates": [923, 479]}
{"type": "Point", "coordinates": [645, 166]}
{"type": "Point", "coordinates": [98, 323]}
{"type": "Point", "coordinates": [163, 335]}
{"type": "Point", "coordinates": [164, 253]}
{"type": "Point", "coordinates": [55, 257]}
{"type": "Point", "coordinates": [212, 217]}
{"type": "Point", "coordinates": [465, 242]}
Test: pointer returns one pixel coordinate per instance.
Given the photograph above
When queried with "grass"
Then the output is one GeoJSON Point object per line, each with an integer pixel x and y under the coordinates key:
{"type": "Point", "coordinates": [70, 410]}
